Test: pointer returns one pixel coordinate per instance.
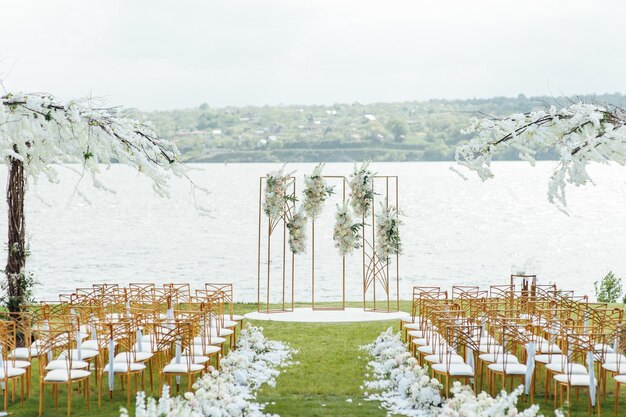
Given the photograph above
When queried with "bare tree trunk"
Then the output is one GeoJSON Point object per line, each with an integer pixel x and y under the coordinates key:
{"type": "Point", "coordinates": [16, 259]}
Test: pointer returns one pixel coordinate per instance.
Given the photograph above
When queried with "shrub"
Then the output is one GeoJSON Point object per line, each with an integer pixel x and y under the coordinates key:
{"type": "Point", "coordinates": [609, 289]}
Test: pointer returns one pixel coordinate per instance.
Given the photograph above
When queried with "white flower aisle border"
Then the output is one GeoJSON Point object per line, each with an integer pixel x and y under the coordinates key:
{"type": "Point", "coordinates": [229, 392]}
{"type": "Point", "coordinates": [404, 388]}
{"type": "Point", "coordinates": [399, 383]}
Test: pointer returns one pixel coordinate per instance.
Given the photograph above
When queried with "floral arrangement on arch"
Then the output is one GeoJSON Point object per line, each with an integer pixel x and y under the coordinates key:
{"type": "Point", "coordinates": [277, 194]}
{"type": "Point", "coordinates": [297, 232]}
{"type": "Point", "coordinates": [346, 232]}
{"type": "Point", "coordinates": [388, 232]}
{"type": "Point", "coordinates": [361, 188]}
{"type": "Point", "coordinates": [315, 192]}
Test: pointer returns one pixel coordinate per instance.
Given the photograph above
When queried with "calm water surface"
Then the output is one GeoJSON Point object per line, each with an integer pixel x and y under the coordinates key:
{"type": "Point", "coordinates": [455, 231]}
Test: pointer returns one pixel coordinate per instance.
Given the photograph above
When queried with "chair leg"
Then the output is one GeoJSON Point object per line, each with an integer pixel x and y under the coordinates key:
{"type": "Point", "coordinates": [69, 399]}
{"type": "Point", "coordinates": [617, 384]}
{"type": "Point", "coordinates": [41, 387]}
{"type": "Point", "coordinates": [88, 393]}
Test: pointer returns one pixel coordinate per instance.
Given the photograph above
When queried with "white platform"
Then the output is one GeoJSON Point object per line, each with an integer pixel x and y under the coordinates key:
{"type": "Point", "coordinates": [307, 315]}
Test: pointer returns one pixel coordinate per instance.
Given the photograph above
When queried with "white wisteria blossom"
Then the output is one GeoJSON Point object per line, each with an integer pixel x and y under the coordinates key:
{"type": "Point", "coordinates": [297, 232]}
{"type": "Point", "coordinates": [399, 383]}
{"type": "Point", "coordinates": [315, 193]}
{"type": "Point", "coordinates": [229, 392]}
{"type": "Point", "coordinates": [361, 189]}
{"type": "Point", "coordinates": [43, 132]}
{"type": "Point", "coordinates": [346, 232]}
{"type": "Point", "coordinates": [39, 133]}
{"type": "Point", "coordinates": [277, 193]}
{"type": "Point", "coordinates": [578, 134]}
{"type": "Point", "coordinates": [388, 240]}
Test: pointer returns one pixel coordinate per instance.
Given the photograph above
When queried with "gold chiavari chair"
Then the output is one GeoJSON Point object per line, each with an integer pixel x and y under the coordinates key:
{"type": "Point", "coordinates": [57, 339]}
{"type": "Point", "coordinates": [8, 372]}
{"type": "Point", "coordinates": [580, 348]}
{"type": "Point", "coordinates": [175, 336]}
{"type": "Point", "coordinates": [120, 336]}
{"type": "Point", "coordinates": [513, 333]}
{"type": "Point", "coordinates": [21, 355]}
{"type": "Point", "coordinates": [227, 290]}
{"type": "Point", "coordinates": [461, 340]}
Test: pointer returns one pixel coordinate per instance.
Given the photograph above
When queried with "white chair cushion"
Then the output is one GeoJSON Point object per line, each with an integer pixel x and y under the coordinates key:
{"type": "Point", "coordinates": [62, 375]}
{"type": "Point", "coordinates": [204, 350]}
{"type": "Point", "coordinates": [498, 358]}
{"type": "Point", "coordinates": [490, 348]}
{"type": "Point", "coordinates": [599, 347]}
{"type": "Point", "coordinates": [444, 358]}
{"type": "Point", "coordinates": [559, 368]}
{"type": "Point", "coordinates": [64, 364]}
{"type": "Point", "coordinates": [213, 340]}
{"type": "Point", "coordinates": [413, 326]}
{"type": "Point", "coordinates": [613, 357]}
{"type": "Point", "coordinates": [579, 380]}
{"type": "Point", "coordinates": [620, 378]}
{"type": "Point", "coordinates": [236, 317]}
{"type": "Point", "coordinates": [615, 367]}
{"type": "Point", "coordinates": [548, 357]}
{"type": "Point", "coordinates": [454, 369]}
{"type": "Point", "coordinates": [22, 353]}
{"type": "Point", "coordinates": [194, 359]}
{"type": "Point", "coordinates": [509, 368]}
{"type": "Point", "coordinates": [84, 354]}
{"type": "Point", "coordinates": [229, 324]}
{"type": "Point", "coordinates": [543, 346]}
{"type": "Point", "coordinates": [19, 363]}
{"type": "Point", "coordinates": [222, 332]}
{"type": "Point", "coordinates": [133, 356]}
{"type": "Point", "coordinates": [409, 319]}
{"type": "Point", "coordinates": [419, 341]}
{"type": "Point", "coordinates": [89, 345]}
{"type": "Point", "coordinates": [418, 334]}
{"type": "Point", "coordinates": [124, 367]}
{"type": "Point", "coordinates": [182, 368]}
{"type": "Point", "coordinates": [11, 372]}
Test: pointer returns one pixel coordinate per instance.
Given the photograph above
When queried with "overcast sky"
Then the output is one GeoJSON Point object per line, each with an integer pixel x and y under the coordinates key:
{"type": "Point", "coordinates": [156, 54]}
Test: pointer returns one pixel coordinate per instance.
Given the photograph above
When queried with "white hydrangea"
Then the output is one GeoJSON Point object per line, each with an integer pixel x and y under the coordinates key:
{"type": "Point", "coordinates": [388, 240]}
{"type": "Point", "coordinates": [297, 232]}
{"type": "Point", "coordinates": [361, 189]}
{"type": "Point", "coordinates": [277, 193]}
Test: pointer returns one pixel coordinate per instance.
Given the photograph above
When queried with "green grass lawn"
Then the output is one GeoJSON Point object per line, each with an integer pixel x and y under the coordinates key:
{"type": "Point", "coordinates": [330, 371]}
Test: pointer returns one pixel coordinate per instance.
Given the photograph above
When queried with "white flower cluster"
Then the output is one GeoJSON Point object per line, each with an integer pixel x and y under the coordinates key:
{"type": "Point", "coordinates": [297, 232]}
{"type": "Point", "coordinates": [231, 391]}
{"type": "Point", "coordinates": [404, 388]}
{"type": "Point", "coordinates": [577, 134]}
{"type": "Point", "coordinates": [387, 232]}
{"type": "Point", "coordinates": [400, 384]}
{"type": "Point", "coordinates": [42, 131]}
{"type": "Point", "coordinates": [361, 189]}
{"type": "Point", "coordinates": [277, 193]}
{"type": "Point", "coordinates": [346, 232]}
{"type": "Point", "coordinates": [465, 403]}
{"type": "Point", "coordinates": [315, 192]}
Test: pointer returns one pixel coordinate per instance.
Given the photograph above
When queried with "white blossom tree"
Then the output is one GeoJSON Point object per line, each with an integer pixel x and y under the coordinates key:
{"type": "Point", "coordinates": [579, 134]}
{"type": "Point", "coordinates": [39, 133]}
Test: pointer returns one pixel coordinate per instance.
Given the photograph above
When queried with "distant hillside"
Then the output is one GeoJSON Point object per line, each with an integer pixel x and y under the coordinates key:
{"type": "Point", "coordinates": [403, 131]}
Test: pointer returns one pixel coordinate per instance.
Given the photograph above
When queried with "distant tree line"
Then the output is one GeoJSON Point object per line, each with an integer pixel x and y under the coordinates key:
{"type": "Point", "coordinates": [401, 131]}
